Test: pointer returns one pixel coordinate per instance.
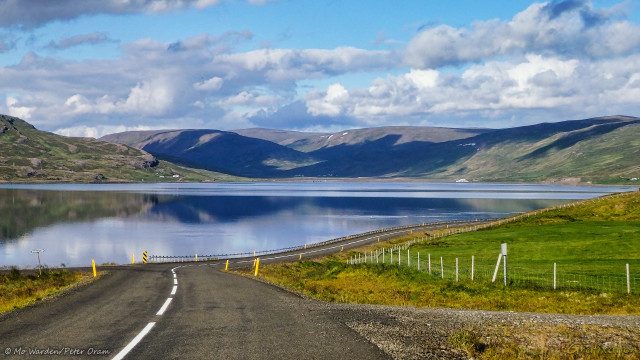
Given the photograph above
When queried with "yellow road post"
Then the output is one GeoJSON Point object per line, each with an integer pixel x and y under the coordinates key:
{"type": "Point", "coordinates": [257, 266]}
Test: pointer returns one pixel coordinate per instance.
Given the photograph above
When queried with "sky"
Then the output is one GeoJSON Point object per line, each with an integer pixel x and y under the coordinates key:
{"type": "Point", "coordinates": [90, 68]}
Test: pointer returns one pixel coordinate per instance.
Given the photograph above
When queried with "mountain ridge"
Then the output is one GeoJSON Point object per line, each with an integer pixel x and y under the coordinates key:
{"type": "Point", "coordinates": [599, 150]}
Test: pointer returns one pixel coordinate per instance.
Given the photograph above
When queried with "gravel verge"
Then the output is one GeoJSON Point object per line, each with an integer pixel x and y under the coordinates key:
{"type": "Point", "coordinates": [426, 333]}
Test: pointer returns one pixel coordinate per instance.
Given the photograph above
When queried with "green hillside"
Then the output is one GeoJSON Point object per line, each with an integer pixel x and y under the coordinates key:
{"type": "Point", "coordinates": [31, 155]}
{"type": "Point", "coordinates": [602, 152]}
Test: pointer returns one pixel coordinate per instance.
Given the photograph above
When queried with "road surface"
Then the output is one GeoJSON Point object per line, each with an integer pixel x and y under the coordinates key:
{"type": "Point", "coordinates": [186, 311]}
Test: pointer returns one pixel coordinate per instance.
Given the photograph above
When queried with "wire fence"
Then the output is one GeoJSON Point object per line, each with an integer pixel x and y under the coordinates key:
{"type": "Point", "coordinates": [459, 269]}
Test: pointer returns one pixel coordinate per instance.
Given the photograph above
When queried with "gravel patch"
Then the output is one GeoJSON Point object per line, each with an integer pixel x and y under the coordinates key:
{"type": "Point", "coordinates": [425, 333]}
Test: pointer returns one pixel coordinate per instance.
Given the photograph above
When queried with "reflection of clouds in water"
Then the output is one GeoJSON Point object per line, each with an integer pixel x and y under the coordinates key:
{"type": "Point", "coordinates": [210, 225]}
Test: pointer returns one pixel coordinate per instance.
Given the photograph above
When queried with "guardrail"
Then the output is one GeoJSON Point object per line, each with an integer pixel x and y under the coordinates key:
{"type": "Point", "coordinates": [211, 257]}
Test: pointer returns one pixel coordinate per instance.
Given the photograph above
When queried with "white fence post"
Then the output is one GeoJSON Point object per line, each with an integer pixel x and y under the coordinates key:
{"type": "Point", "coordinates": [495, 273]}
{"type": "Point", "coordinates": [554, 276]}
{"type": "Point", "coordinates": [441, 268]}
{"type": "Point", "coordinates": [408, 259]}
{"type": "Point", "coordinates": [429, 258]}
{"type": "Point", "coordinates": [472, 263]}
{"type": "Point", "coordinates": [456, 269]}
{"type": "Point", "coordinates": [418, 260]}
{"type": "Point", "coordinates": [628, 281]}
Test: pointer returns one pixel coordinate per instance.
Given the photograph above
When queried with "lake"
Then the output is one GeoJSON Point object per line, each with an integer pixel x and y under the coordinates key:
{"type": "Point", "coordinates": [77, 223]}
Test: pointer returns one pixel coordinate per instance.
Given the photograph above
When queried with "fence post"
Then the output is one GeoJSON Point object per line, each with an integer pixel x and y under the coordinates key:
{"type": "Point", "coordinates": [408, 259]}
{"type": "Point", "coordinates": [472, 263]}
{"type": "Point", "coordinates": [391, 252]}
{"type": "Point", "coordinates": [429, 263]}
{"type": "Point", "coordinates": [495, 273]}
{"type": "Point", "coordinates": [418, 260]}
{"type": "Point", "coordinates": [257, 266]}
{"type": "Point", "coordinates": [456, 269]}
{"type": "Point", "coordinates": [554, 276]}
{"type": "Point", "coordinates": [628, 281]}
{"type": "Point", "coordinates": [441, 268]}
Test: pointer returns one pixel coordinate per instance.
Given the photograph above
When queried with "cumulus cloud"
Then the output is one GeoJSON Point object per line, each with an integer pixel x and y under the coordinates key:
{"type": "Point", "coordinates": [330, 103]}
{"type": "Point", "coordinates": [563, 58]}
{"type": "Point", "coordinates": [570, 28]}
{"type": "Point", "coordinates": [282, 65]}
{"type": "Point", "coordinates": [99, 130]}
{"type": "Point", "coordinates": [16, 109]}
{"type": "Point", "coordinates": [194, 78]}
{"type": "Point", "coordinates": [498, 89]}
{"type": "Point", "coordinates": [215, 83]}
{"type": "Point", "coordinates": [90, 39]}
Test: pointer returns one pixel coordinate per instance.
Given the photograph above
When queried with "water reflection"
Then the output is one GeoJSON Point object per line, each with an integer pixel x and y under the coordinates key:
{"type": "Point", "coordinates": [77, 223]}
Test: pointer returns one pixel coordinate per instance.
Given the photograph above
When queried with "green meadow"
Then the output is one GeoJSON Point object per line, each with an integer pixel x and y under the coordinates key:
{"type": "Point", "coordinates": [590, 242]}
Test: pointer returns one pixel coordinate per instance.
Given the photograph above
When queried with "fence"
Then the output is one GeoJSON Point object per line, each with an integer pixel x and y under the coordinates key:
{"type": "Point", "coordinates": [471, 268]}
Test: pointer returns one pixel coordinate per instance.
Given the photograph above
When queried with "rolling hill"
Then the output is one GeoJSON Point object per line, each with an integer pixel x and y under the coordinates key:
{"type": "Point", "coordinates": [31, 155]}
{"type": "Point", "coordinates": [215, 150]}
{"type": "Point", "coordinates": [597, 150]}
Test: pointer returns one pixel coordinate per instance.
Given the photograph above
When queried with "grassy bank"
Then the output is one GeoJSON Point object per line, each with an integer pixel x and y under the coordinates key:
{"type": "Point", "coordinates": [19, 290]}
{"type": "Point", "coordinates": [591, 243]}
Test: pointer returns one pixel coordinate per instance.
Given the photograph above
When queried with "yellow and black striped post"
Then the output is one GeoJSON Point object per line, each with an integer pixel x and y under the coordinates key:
{"type": "Point", "coordinates": [144, 257]}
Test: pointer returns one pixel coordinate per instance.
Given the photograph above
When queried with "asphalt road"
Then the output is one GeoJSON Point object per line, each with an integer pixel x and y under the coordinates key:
{"type": "Point", "coordinates": [185, 311]}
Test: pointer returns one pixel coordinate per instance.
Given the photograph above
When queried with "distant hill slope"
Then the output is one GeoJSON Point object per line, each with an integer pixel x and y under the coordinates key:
{"type": "Point", "coordinates": [31, 155]}
{"type": "Point", "coordinates": [309, 142]}
{"type": "Point", "coordinates": [599, 150]}
{"type": "Point", "coordinates": [215, 150]}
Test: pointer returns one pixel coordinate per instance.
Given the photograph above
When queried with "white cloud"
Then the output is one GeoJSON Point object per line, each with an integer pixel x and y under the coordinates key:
{"type": "Point", "coordinates": [23, 112]}
{"type": "Point", "coordinates": [559, 28]}
{"type": "Point", "coordinates": [98, 131]}
{"type": "Point", "coordinates": [495, 90]}
{"type": "Point", "coordinates": [331, 103]}
{"type": "Point", "coordinates": [152, 97]}
{"type": "Point", "coordinates": [287, 65]}
{"type": "Point", "coordinates": [215, 83]}
{"type": "Point", "coordinates": [247, 99]}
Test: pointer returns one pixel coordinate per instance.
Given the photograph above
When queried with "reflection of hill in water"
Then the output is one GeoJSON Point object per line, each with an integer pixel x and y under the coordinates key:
{"type": "Point", "coordinates": [210, 209]}
{"type": "Point", "coordinates": [24, 210]}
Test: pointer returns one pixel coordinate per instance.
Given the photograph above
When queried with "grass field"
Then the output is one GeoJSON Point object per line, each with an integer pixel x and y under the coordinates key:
{"type": "Point", "coordinates": [591, 241]}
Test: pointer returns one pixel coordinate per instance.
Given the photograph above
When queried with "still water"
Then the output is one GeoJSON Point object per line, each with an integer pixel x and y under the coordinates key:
{"type": "Point", "coordinates": [108, 223]}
